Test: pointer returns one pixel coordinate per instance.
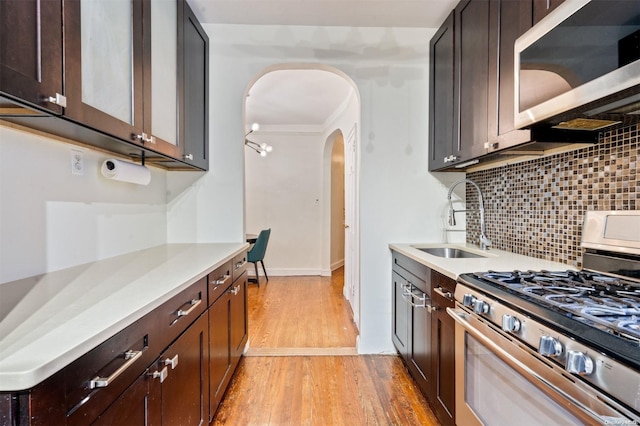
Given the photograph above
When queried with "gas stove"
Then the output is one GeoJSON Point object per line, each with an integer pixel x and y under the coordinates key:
{"type": "Point", "coordinates": [606, 302]}
{"type": "Point", "coordinates": [582, 323]}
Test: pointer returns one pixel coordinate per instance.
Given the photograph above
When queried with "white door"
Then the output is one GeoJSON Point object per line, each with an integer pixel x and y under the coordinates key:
{"type": "Point", "coordinates": [352, 242]}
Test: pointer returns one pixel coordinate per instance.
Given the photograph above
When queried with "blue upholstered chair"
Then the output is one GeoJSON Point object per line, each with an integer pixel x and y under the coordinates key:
{"type": "Point", "coordinates": [257, 252]}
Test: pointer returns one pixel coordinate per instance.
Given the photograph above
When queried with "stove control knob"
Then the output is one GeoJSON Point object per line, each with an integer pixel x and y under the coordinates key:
{"type": "Point", "coordinates": [480, 307]}
{"type": "Point", "coordinates": [510, 324]}
{"type": "Point", "coordinates": [550, 346]}
{"type": "Point", "coordinates": [468, 300]}
{"type": "Point", "coordinates": [579, 363]}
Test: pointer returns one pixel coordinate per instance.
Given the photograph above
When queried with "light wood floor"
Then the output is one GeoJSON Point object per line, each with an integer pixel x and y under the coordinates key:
{"type": "Point", "coordinates": [283, 381]}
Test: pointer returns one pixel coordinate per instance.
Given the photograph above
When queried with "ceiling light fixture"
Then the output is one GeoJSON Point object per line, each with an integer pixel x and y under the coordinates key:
{"type": "Point", "coordinates": [261, 148]}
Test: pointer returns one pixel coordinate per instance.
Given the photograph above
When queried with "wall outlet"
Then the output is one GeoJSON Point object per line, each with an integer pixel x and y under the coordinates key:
{"type": "Point", "coordinates": [77, 162]}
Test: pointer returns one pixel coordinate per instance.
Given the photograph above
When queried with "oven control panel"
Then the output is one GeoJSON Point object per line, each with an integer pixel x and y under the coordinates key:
{"type": "Point", "coordinates": [552, 346]}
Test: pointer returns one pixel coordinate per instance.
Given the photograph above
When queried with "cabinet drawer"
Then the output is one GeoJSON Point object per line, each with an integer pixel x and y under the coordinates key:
{"type": "Point", "coordinates": [239, 265]}
{"type": "Point", "coordinates": [175, 315]}
{"type": "Point", "coordinates": [412, 271]}
{"type": "Point", "coordinates": [443, 289]}
{"type": "Point", "coordinates": [95, 380]}
{"type": "Point", "coordinates": [219, 280]}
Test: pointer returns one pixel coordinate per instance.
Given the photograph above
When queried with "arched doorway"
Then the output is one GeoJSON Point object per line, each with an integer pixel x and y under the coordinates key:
{"type": "Point", "coordinates": [287, 189]}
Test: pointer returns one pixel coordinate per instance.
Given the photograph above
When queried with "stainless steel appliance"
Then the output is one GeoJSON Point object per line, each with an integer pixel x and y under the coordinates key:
{"type": "Point", "coordinates": [579, 68]}
{"type": "Point", "coordinates": [554, 347]}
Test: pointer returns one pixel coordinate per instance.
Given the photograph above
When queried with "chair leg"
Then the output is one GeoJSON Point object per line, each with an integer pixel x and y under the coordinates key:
{"type": "Point", "coordinates": [257, 276]}
{"type": "Point", "coordinates": [263, 270]}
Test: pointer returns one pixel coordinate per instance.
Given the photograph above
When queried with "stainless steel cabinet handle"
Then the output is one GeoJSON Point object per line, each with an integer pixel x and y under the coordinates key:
{"type": "Point", "coordinates": [173, 362]}
{"type": "Point", "coordinates": [222, 280]}
{"type": "Point", "coordinates": [188, 156]}
{"type": "Point", "coordinates": [194, 304]}
{"type": "Point", "coordinates": [103, 382]}
{"type": "Point", "coordinates": [162, 374]}
{"type": "Point", "coordinates": [240, 265]}
{"type": "Point", "coordinates": [58, 99]}
{"type": "Point", "coordinates": [235, 290]}
{"type": "Point", "coordinates": [144, 138]}
{"type": "Point", "coordinates": [443, 293]}
{"type": "Point", "coordinates": [490, 145]}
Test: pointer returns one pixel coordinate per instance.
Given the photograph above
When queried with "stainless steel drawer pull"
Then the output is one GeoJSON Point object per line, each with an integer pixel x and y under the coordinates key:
{"type": "Point", "coordinates": [443, 293]}
{"type": "Point", "coordinates": [103, 382]}
{"type": "Point", "coordinates": [235, 290]}
{"type": "Point", "coordinates": [173, 362]}
{"type": "Point", "coordinates": [240, 264]}
{"type": "Point", "coordinates": [223, 280]}
{"type": "Point", "coordinates": [194, 304]}
{"type": "Point", "coordinates": [162, 374]}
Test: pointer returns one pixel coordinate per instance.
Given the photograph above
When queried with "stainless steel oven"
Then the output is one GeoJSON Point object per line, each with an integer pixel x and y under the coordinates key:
{"type": "Point", "coordinates": [554, 347]}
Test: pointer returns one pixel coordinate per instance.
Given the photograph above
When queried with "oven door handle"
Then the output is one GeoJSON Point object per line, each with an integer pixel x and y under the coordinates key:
{"type": "Point", "coordinates": [460, 319]}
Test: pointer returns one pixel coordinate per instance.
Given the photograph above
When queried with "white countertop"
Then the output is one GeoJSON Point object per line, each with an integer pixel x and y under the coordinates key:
{"type": "Point", "coordinates": [48, 321]}
{"type": "Point", "coordinates": [495, 260]}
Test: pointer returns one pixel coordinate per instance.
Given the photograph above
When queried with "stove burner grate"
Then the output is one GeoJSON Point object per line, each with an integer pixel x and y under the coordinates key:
{"type": "Point", "coordinates": [606, 302]}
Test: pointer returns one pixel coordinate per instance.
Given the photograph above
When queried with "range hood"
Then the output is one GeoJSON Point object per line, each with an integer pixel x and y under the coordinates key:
{"type": "Point", "coordinates": [579, 68]}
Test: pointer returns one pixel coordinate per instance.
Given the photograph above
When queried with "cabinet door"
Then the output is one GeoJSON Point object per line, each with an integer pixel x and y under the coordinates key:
{"type": "Point", "coordinates": [420, 358]}
{"type": "Point", "coordinates": [509, 20]}
{"type": "Point", "coordinates": [443, 349]}
{"type": "Point", "coordinates": [185, 389]}
{"type": "Point", "coordinates": [400, 316]}
{"type": "Point", "coordinates": [472, 60]}
{"type": "Point", "coordinates": [31, 51]}
{"type": "Point", "coordinates": [161, 96]}
{"type": "Point", "coordinates": [442, 119]}
{"type": "Point", "coordinates": [130, 408]}
{"type": "Point", "coordinates": [542, 8]}
{"type": "Point", "coordinates": [238, 317]}
{"type": "Point", "coordinates": [103, 65]}
{"type": "Point", "coordinates": [219, 350]}
{"type": "Point", "coordinates": [194, 116]}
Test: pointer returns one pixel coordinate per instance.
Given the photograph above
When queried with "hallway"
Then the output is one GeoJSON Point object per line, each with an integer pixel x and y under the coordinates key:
{"type": "Point", "coordinates": [302, 368]}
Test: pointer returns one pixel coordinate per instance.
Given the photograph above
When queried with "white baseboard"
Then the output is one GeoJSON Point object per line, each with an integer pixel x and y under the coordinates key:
{"type": "Point", "coordinates": [337, 264]}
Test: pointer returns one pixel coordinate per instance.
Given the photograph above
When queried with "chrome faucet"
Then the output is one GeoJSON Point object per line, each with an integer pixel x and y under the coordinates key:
{"type": "Point", "coordinates": [485, 242]}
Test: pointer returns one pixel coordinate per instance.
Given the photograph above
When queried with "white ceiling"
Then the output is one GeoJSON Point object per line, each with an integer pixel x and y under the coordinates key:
{"type": "Point", "coordinates": [310, 97]}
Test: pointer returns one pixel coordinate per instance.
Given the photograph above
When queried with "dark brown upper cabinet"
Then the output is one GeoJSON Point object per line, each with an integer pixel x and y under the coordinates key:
{"type": "Point", "coordinates": [194, 75]}
{"type": "Point", "coordinates": [443, 148]}
{"type": "Point", "coordinates": [121, 70]}
{"type": "Point", "coordinates": [508, 21]}
{"type": "Point", "coordinates": [31, 53]}
{"type": "Point", "coordinates": [133, 78]}
{"type": "Point", "coordinates": [472, 94]}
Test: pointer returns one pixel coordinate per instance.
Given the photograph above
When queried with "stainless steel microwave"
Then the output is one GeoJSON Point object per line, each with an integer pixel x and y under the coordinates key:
{"type": "Point", "coordinates": [579, 67]}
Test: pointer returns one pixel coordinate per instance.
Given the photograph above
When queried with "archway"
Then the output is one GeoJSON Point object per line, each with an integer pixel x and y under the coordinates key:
{"type": "Point", "coordinates": [289, 190]}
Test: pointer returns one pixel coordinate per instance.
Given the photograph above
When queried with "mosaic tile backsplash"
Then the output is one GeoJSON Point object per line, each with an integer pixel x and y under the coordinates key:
{"type": "Point", "coordinates": [536, 208]}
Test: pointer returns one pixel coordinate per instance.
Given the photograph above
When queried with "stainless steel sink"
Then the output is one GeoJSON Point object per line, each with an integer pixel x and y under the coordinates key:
{"type": "Point", "coordinates": [449, 252]}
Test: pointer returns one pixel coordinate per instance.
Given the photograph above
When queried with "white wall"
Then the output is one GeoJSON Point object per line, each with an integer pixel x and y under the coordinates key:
{"type": "Point", "coordinates": [52, 219]}
{"type": "Point", "coordinates": [284, 193]}
{"type": "Point", "coordinates": [400, 201]}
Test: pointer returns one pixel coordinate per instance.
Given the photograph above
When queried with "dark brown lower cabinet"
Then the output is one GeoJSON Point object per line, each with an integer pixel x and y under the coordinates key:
{"type": "Point", "coordinates": [171, 367]}
{"type": "Point", "coordinates": [173, 390]}
{"type": "Point", "coordinates": [443, 348]}
{"type": "Point", "coordinates": [185, 388]}
{"type": "Point", "coordinates": [227, 338]}
{"type": "Point", "coordinates": [423, 332]}
{"type": "Point", "coordinates": [131, 407]}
